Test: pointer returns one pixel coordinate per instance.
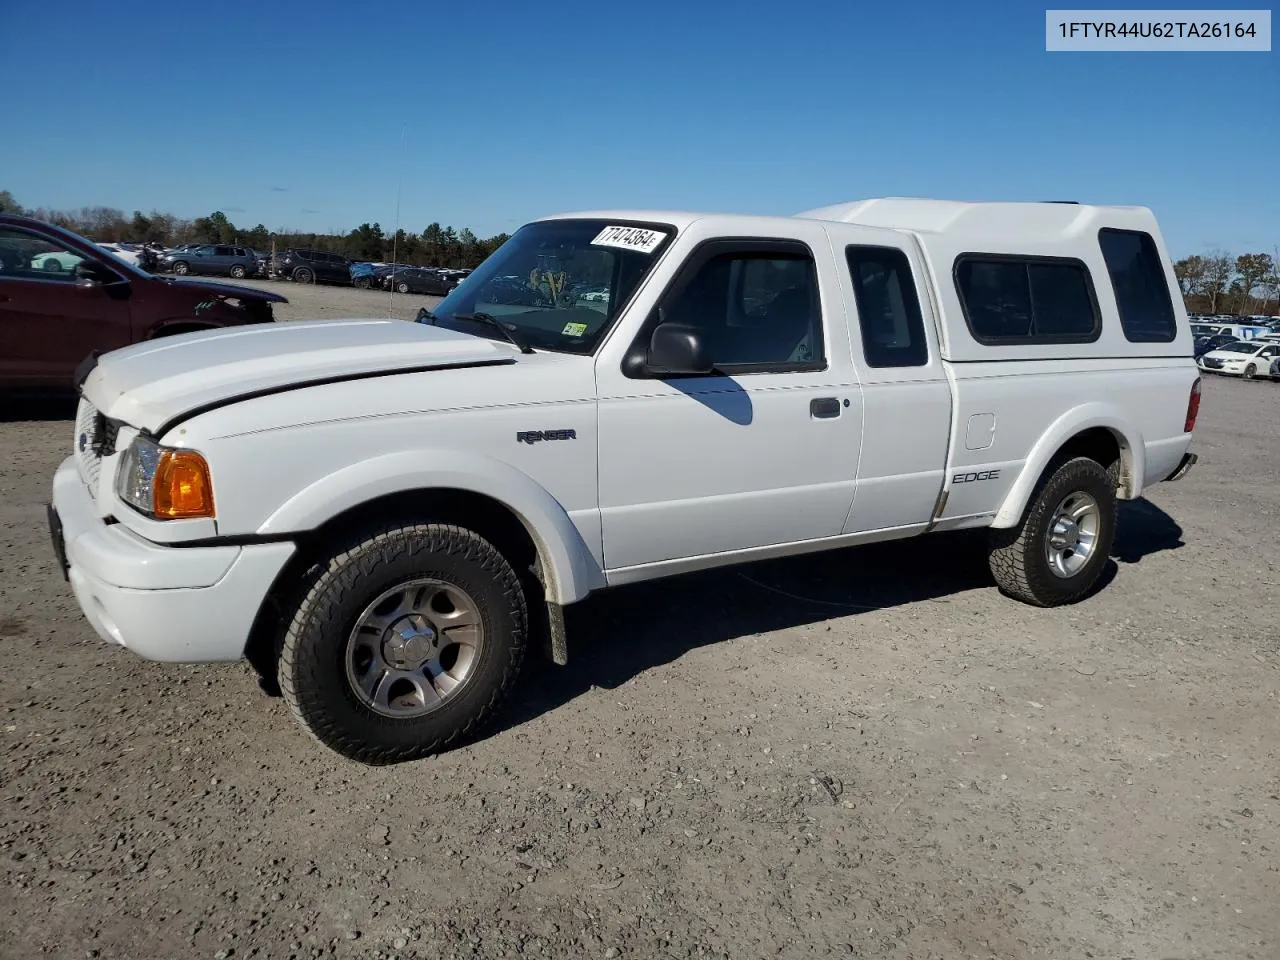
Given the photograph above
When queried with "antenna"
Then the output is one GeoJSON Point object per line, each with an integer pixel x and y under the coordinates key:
{"type": "Point", "coordinates": [395, 237]}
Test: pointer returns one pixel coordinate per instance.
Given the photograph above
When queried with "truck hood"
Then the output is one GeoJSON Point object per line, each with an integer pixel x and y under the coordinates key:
{"type": "Point", "coordinates": [150, 384]}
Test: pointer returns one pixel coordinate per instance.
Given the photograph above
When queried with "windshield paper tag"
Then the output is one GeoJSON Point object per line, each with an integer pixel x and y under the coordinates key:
{"type": "Point", "coordinates": [574, 329]}
{"type": "Point", "coordinates": [629, 238]}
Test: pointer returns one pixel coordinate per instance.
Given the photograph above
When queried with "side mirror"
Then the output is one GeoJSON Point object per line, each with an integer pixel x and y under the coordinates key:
{"type": "Point", "coordinates": [88, 274]}
{"type": "Point", "coordinates": [92, 276]}
{"type": "Point", "coordinates": [677, 350]}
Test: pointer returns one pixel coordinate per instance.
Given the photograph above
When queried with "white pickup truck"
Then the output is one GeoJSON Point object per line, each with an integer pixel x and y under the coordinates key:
{"type": "Point", "coordinates": [384, 514]}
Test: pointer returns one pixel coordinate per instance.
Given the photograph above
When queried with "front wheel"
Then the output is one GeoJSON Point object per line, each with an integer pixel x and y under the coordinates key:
{"type": "Point", "coordinates": [181, 268]}
{"type": "Point", "coordinates": [402, 287]}
{"type": "Point", "coordinates": [1250, 372]}
{"type": "Point", "coordinates": [407, 640]}
{"type": "Point", "coordinates": [303, 275]}
{"type": "Point", "coordinates": [1056, 554]}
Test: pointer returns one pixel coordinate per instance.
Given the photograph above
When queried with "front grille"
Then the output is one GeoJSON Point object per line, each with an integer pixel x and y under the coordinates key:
{"type": "Point", "coordinates": [95, 438]}
{"type": "Point", "coordinates": [105, 438]}
{"type": "Point", "coordinates": [1213, 363]}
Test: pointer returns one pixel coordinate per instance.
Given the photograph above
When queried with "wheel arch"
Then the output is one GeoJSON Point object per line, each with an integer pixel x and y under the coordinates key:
{"type": "Point", "coordinates": [1094, 430]}
{"type": "Point", "coordinates": [444, 485]}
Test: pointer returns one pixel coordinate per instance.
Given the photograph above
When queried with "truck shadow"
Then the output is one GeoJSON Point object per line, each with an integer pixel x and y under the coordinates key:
{"type": "Point", "coordinates": [17, 407]}
{"type": "Point", "coordinates": [1144, 529]}
{"type": "Point", "coordinates": [620, 633]}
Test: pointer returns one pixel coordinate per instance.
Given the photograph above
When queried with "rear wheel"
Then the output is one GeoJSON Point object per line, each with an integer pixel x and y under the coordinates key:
{"type": "Point", "coordinates": [1056, 554]}
{"type": "Point", "coordinates": [237, 271]}
{"type": "Point", "coordinates": [406, 641]}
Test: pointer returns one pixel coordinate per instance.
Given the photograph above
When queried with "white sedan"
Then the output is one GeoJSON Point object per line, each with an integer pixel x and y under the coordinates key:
{"type": "Point", "coordinates": [1244, 358]}
{"type": "Point", "coordinates": [55, 261]}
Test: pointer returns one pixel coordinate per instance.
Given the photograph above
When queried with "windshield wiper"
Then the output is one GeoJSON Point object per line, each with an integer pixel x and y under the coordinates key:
{"type": "Point", "coordinates": [490, 321]}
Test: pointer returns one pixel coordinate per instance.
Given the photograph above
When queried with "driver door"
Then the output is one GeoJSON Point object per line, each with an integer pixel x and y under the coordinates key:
{"type": "Point", "coordinates": [761, 453]}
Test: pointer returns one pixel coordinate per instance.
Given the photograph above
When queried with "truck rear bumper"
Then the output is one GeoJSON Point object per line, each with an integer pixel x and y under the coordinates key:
{"type": "Point", "coordinates": [1183, 468]}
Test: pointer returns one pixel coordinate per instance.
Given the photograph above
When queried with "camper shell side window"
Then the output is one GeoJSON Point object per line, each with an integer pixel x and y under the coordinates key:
{"type": "Point", "coordinates": [1013, 300]}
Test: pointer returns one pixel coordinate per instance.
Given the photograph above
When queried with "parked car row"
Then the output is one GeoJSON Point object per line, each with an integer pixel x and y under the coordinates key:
{"type": "Point", "coordinates": [301, 265]}
{"type": "Point", "coordinates": [1251, 359]}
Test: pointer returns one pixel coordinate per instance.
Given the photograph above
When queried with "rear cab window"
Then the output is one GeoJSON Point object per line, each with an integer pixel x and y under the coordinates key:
{"type": "Point", "coordinates": [1142, 291]}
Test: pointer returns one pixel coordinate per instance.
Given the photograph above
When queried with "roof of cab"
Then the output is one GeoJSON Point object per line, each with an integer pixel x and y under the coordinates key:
{"type": "Point", "coordinates": [680, 219]}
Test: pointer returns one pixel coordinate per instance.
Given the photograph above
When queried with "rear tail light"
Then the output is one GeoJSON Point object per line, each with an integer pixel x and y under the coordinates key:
{"type": "Point", "coordinates": [1193, 407]}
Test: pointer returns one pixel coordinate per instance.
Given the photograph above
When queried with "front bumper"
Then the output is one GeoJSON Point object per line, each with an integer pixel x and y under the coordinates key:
{"type": "Point", "coordinates": [180, 604]}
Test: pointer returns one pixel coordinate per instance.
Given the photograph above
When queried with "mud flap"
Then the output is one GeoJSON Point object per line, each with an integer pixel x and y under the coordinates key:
{"type": "Point", "coordinates": [557, 645]}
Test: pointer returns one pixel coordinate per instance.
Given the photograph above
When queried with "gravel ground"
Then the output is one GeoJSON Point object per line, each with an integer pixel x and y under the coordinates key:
{"type": "Point", "coordinates": [869, 753]}
{"type": "Point", "coordinates": [333, 303]}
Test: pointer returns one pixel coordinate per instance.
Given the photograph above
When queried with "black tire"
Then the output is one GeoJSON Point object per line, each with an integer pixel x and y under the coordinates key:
{"type": "Point", "coordinates": [402, 287]}
{"type": "Point", "coordinates": [361, 283]}
{"type": "Point", "coordinates": [237, 271]}
{"type": "Point", "coordinates": [303, 275]}
{"type": "Point", "coordinates": [1018, 557]}
{"type": "Point", "coordinates": [312, 669]}
{"type": "Point", "coordinates": [1250, 372]}
{"type": "Point", "coordinates": [181, 268]}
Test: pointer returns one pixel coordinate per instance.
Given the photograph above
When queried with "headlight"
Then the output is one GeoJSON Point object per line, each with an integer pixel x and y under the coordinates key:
{"type": "Point", "coordinates": [163, 482]}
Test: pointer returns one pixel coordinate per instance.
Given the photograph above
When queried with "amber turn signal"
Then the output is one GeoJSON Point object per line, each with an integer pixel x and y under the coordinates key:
{"type": "Point", "coordinates": [183, 488]}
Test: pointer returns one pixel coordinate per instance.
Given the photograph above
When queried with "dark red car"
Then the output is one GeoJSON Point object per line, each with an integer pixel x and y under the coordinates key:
{"type": "Point", "coordinates": [63, 297]}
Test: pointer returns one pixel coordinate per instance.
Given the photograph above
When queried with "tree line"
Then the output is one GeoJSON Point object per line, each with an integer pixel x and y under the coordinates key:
{"type": "Point", "coordinates": [436, 246]}
{"type": "Point", "coordinates": [1248, 284]}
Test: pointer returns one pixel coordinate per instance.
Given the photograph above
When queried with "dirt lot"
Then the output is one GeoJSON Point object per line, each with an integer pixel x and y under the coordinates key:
{"type": "Point", "coordinates": [331, 303]}
{"type": "Point", "coordinates": [869, 754]}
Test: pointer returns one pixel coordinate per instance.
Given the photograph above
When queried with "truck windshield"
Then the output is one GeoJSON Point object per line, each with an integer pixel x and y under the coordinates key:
{"type": "Point", "coordinates": [557, 283]}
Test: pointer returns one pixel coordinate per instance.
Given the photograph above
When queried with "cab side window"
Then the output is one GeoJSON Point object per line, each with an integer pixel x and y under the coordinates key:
{"type": "Point", "coordinates": [29, 256]}
{"type": "Point", "coordinates": [756, 307]}
{"type": "Point", "coordinates": [888, 309]}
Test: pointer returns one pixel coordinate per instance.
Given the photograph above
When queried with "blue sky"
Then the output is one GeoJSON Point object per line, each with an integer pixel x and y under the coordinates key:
{"type": "Point", "coordinates": [314, 115]}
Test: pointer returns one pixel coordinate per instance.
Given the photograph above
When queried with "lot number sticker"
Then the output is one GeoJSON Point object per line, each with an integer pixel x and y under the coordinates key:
{"type": "Point", "coordinates": [629, 238]}
{"type": "Point", "coordinates": [574, 329]}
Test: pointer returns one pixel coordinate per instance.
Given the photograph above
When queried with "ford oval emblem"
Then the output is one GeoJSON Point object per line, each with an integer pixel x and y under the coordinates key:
{"type": "Point", "coordinates": [84, 441]}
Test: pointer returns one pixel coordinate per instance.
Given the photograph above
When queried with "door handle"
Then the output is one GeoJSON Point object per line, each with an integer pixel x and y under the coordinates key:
{"type": "Point", "coordinates": [824, 408]}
